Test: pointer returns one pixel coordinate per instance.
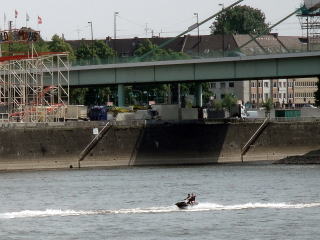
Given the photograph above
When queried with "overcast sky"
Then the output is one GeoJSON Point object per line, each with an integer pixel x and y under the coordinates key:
{"type": "Point", "coordinates": [136, 18]}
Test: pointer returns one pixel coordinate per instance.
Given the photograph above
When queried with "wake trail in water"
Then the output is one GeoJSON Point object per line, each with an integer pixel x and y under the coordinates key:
{"type": "Point", "coordinates": [200, 207]}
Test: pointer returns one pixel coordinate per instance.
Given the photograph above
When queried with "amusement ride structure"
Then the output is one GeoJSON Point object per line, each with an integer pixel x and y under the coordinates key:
{"type": "Point", "coordinates": [34, 87]}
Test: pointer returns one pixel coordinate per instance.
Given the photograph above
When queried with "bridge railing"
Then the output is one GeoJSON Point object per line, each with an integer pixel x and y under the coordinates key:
{"type": "Point", "coordinates": [247, 51]}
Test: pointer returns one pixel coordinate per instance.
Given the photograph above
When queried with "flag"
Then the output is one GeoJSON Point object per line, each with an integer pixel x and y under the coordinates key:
{"type": "Point", "coordinates": [39, 20]}
{"type": "Point", "coordinates": [15, 13]}
{"type": "Point", "coordinates": [27, 17]}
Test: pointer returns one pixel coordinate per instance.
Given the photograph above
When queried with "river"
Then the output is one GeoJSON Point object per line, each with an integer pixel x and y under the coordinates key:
{"type": "Point", "coordinates": [235, 202]}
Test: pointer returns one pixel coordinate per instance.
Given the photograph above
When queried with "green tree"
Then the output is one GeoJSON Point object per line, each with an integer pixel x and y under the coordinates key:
{"type": "Point", "coordinates": [97, 95]}
{"type": "Point", "coordinates": [140, 94]}
{"type": "Point", "coordinates": [158, 53]}
{"type": "Point", "coordinates": [58, 44]}
{"type": "Point", "coordinates": [83, 52]}
{"type": "Point", "coordinates": [268, 105]}
{"type": "Point", "coordinates": [190, 88]}
{"type": "Point", "coordinates": [99, 52]}
{"type": "Point", "coordinates": [229, 101]}
{"type": "Point", "coordinates": [24, 47]}
{"type": "Point", "coordinates": [77, 96]}
{"type": "Point", "coordinates": [90, 96]}
{"type": "Point", "coordinates": [317, 94]}
{"type": "Point", "coordinates": [102, 50]}
{"type": "Point", "coordinates": [41, 46]}
{"type": "Point", "coordinates": [240, 20]}
{"type": "Point", "coordinates": [217, 105]}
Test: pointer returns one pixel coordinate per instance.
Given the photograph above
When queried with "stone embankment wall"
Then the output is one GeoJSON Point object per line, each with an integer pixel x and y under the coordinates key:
{"type": "Point", "coordinates": [59, 146]}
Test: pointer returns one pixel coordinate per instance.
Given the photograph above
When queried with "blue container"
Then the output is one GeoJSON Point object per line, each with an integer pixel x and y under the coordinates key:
{"type": "Point", "coordinates": [98, 113]}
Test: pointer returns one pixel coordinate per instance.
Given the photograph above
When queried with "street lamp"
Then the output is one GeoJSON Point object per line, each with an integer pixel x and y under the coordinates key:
{"type": "Point", "coordinates": [115, 14]}
{"type": "Point", "coordinates": [91, 38]}
{"type": "Point", "coordinates": [197, 16]}
{"type": "Point", "coordinates": [223, 22]}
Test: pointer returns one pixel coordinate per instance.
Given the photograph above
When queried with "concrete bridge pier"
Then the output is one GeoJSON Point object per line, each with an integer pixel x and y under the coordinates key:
{"type": "Point", "coordinates": [198, 94]}
{"type": "Point", "coordinates": [121, 97]}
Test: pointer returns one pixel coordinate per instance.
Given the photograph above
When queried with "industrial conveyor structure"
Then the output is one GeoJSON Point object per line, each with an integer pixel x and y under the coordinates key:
{"type": "Point", "coordinates": [34, 88]}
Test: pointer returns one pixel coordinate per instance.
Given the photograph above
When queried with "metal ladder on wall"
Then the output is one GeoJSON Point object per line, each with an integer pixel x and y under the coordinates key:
{"type": "Point", "coordinates": [246, 147]}
{"type": "Point", "coordinates": [93, 143]}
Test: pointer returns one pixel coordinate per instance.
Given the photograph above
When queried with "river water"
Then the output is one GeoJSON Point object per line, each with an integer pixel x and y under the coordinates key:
{"type": "Point", "coordinates": [235, 202]}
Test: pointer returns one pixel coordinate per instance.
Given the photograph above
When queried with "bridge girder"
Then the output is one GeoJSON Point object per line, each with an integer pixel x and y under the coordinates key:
{"type": "Point", "coordinates": [291, 65]}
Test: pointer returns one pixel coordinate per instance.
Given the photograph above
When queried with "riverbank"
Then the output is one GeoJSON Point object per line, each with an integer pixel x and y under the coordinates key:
{"type": "Point", "coordinates": [299, 160]}
{"type": "Point", "coordinates": [58, 145]}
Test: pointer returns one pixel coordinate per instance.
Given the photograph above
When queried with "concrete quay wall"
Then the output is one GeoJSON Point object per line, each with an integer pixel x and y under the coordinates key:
{"type": "Point", "coordinates": [59, 146]}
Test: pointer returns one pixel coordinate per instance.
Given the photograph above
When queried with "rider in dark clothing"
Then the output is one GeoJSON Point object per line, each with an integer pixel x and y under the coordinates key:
{"type": "Point", "coordinates": [188, 197]}
{"type": "Point", "coordinates": [192, 199]}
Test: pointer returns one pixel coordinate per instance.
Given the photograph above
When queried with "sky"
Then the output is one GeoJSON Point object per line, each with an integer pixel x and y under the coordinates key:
{"type": "Point", "coordinates": [138, 18]}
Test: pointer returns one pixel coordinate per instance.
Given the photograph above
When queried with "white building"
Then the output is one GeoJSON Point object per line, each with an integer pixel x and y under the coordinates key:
{"type": "Point", "coordinates": [239, 89]}
{"type": "Point", "coordinates": [283, 92]}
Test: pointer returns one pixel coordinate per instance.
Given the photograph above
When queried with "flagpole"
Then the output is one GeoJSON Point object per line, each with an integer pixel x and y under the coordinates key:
{"type": "Point", "coordinates": [15, 18]}
{"type": "Point", "coordinates": [4, 21]}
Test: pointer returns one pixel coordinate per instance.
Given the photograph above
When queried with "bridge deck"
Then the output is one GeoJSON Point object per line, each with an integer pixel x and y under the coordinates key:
{"type": "Point", "coordinates": [289, 65]}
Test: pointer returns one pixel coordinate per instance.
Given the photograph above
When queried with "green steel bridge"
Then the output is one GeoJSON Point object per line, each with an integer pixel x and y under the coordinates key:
{"type": "Point", "coordinates": [273, 66]}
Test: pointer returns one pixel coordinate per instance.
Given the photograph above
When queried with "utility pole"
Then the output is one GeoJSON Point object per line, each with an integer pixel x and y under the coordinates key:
{"type": "Point", "coordinates": [197, 16]}
{"type": "Point", "coordinates": [223, 23]}
{"type": "Point", "coordinates": [91, 39]}
{"type": "Point", "coordinates": [115, 29]}
{"type": "Point", "coordinates": [10, 43]}
{"type": "Point", "coordinates": [78, 32]}
{"type": "Point", "coordinates": [146, 29]}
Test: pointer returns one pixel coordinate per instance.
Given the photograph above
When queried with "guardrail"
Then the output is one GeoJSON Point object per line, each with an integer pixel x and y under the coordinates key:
{"type": "Point", "coordinates": [213, 54]}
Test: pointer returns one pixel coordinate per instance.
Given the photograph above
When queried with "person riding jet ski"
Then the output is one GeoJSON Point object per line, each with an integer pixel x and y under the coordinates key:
{"type": "Point", "coordinates": [192, 199]}
{"type": "Point", "coordinates": [188, 197]}
{"type": "Point", "coordinates": [189, 201]}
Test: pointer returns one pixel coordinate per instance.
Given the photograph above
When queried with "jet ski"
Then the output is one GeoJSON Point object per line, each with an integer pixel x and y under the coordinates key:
{"type": "Point", "coordinates": [184, 205]}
